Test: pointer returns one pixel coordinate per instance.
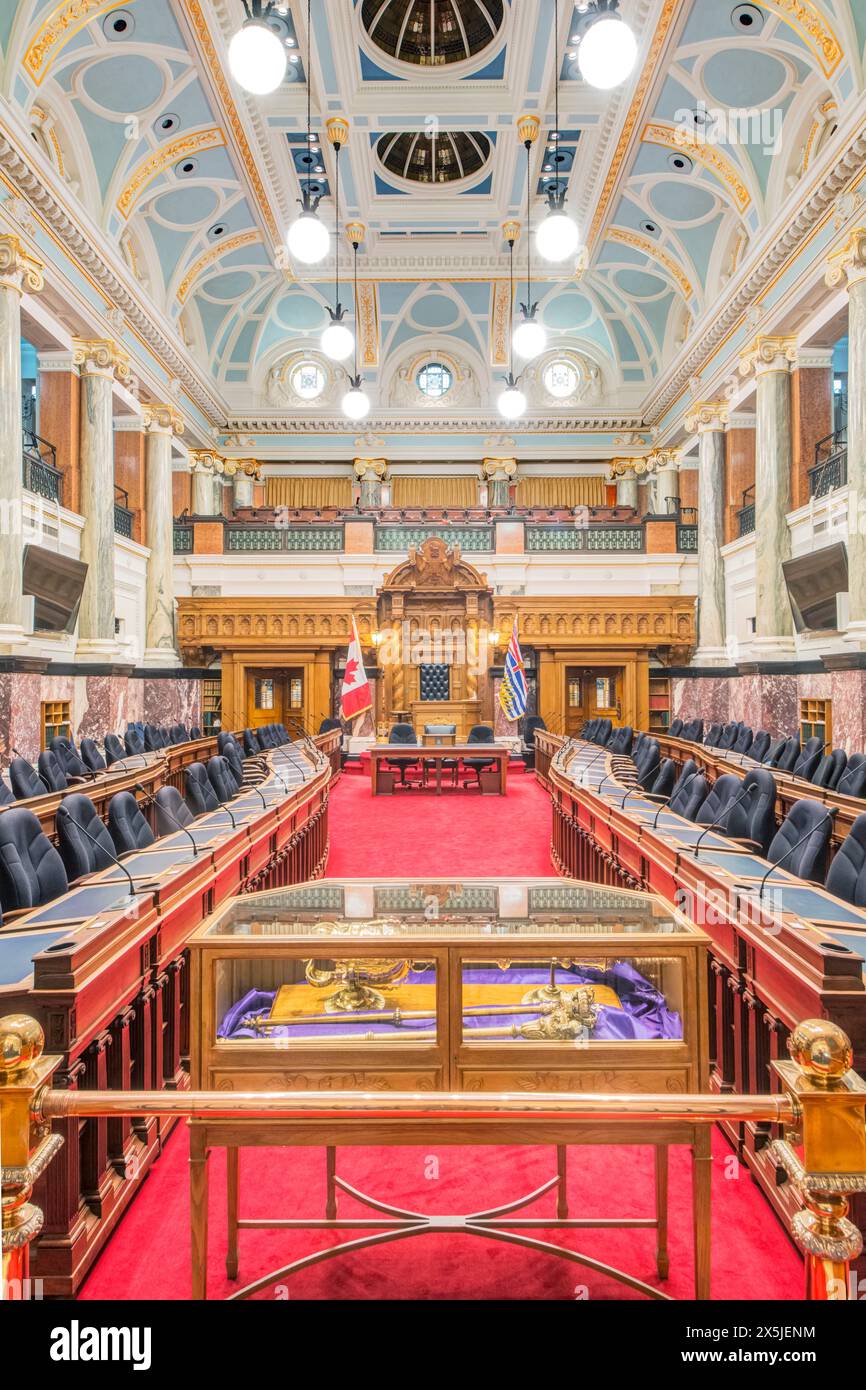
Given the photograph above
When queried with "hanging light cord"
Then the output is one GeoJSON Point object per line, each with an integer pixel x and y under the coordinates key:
{"type": "Point", "coordinates": [355, 249]}
{"type": "Point", "coordinates": [556, 89]}
{"type": "Point", "coordinates": [337, 226]}
{"type": "Point", "coordinates": [309, 95]}
{"type": "Point", "coordinates": [511, 314]}
{"type": "Point", "coordinates": [528, 231]}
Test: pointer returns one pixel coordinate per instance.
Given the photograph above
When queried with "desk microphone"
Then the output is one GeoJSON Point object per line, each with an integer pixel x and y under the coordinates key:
{"type": "Point", "coordinates": [223, 807]}
{"type": "Point", "coordinates": [666, 804]}
{"type": "Point", "coordinates": [723, 819]}
{"type": "Point", "coordinates": [833, 811]}
{"type": "Point", "coordinates": [133, 891]}
{"type": "Point", "coordinates": [260, 796]}
{"type": "Point", "coordinates": [164, 811]}
{"type": "Point", "coordinates": [593, 760]}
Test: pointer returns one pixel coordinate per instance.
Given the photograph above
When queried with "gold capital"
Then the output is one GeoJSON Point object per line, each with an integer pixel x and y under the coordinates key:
{"type": "Point", "coordinates": [160, 417]}
{"type": "Point", "coordinates": [849, 262]}
{"type": "Point", "coordinates": [626, 468]}
{"type": "Point", "coordinates": [768, 353]}
{"type": "Point", "coordinates": [663, 459]}
{"type": "Point", "coordinates": [206, 461]}
{"type": "Point", "coordinates": [496, 470]}
{"type": "Point", "coordinates": [18, 269]}
{"type": "Point", "coordinates": [705, 416]}
{"type": "Point", "coordinates": [101, 357]}
{"type": "Point", "coordinates": [370, 470]}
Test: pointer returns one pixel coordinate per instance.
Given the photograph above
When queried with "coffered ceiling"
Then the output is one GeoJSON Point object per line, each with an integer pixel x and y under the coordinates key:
{"type": "Point", "coordinates": [674, 178]}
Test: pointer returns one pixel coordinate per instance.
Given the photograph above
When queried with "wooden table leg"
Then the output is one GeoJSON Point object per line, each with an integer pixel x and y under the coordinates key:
{"type": "Point", "coordinates": [561, 1189]}
{"type": "Point", "coordinates": [233, 1198]}
{"type": "Point", "coordinates": [662, 1154]}
{"type": "Point", "coordinates": [198, 1203]}
{"type": "Point", "coordinates": [330, 1185]}
{"type": "Point", "coordinates": [702, 1173]}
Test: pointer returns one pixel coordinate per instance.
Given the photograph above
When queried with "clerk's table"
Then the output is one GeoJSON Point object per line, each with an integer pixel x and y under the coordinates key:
{"type": "Point", "coordinates": [492, 779]}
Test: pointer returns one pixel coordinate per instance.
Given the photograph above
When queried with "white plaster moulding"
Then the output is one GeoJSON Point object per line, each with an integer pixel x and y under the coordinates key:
{"type": "Point", "coordinates": [424, 424]}
{"type": "Point", "coordinates": [34, 186]}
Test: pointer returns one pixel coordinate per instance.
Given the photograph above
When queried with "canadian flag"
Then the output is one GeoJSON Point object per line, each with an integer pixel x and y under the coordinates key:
{"type": "Point", "coordinates": [355, 692]}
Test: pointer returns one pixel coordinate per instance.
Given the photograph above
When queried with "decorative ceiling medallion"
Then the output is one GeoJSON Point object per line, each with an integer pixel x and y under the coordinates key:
{"type": "Point", "coordinates": [434, 157]}
{"type": "Point", "coordinates": [432, 33]}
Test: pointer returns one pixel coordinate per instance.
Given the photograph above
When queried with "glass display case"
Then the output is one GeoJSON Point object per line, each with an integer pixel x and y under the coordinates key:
{"type": "Point", "coordinates": [477, 985]}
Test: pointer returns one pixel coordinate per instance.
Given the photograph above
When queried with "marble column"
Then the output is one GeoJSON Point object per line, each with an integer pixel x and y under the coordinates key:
{"type": "Point", "coordinates": [371, 475]}
{"type": "Point", "coordinates": [623, 474]}
{"type": "Point", "coordinates": [98, 362]}
{"type": "Point", "coordinates": [848, 266]}
{"type": "Point", "coordinates": [243, 483]}
{"type": "Point", "coordinates": [664, 482]}
{"type": "Point", "coordinates": [770, 358]}
{"type": "Point", "coordinates": [707, 419]}
{"type": "Point", "coordinates": [19, 272]}
{"type": "Point", "coordinates": [161, 423]}
{"type": "Point", "coordinates": [499, 475]}
{"type": "Point", "coordinates": [207, 482]}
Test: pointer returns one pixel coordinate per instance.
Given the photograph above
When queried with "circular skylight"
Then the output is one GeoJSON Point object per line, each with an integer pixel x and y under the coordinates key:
{"type": "Point", "coordinates": [435, 156]}
{"type": "Point", "coordinates": [308, 381]}
{"type": "Point", "coordinates": [434, 380]}
{"type": "Point", "coordinates": [432, 33]}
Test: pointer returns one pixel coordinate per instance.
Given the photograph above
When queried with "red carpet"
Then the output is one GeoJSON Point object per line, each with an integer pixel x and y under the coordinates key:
{"type": "Point", "coordinates": [417, 832]}
{"type": "Point", "coordinates": [148, 1257]}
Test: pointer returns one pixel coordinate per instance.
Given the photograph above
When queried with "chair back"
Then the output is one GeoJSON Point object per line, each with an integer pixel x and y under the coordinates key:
{"type": "Point", "coordinates": [134, 742]}
{"type": "Point", "coordinates": [846, 877]}
{"type": "Point", "coordinates": [676, 728]}
{"type": "Point", "coordinates": [760, 744]}
{"type": "Point", "coordinates": [114, 749]}
{"type": "Point", "coordinates": [171, 810]}
{"type": "Point", "coordinates": [807, 821]}
{"type": "Point", "coordinates": [31, 870]}
{"type": "Point", "coordinates": [222, 779]}
{"type": "Point", "coordinates": [50, 771]}
{"type": "Point", "coordinates": [77, 814]}
{"type": "Point", "coordinates": [127, 825]}
{"type": "Point", "coordinates": [91, 756]}
{"type": "Point", "coordinates": [24, 779]}
{"type": "Point", "coordinates": [481, 733]}
{"type": "Point", "coordinates": [199, 793]}
{"type": "Point", "coordinates": [402, 733]}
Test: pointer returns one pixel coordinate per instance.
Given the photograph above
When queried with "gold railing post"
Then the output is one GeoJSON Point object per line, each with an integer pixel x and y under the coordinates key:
{"type": "Point", "coordinates": [26, 1146]}
{"type": "Point", "coordinates": [830, 1102]}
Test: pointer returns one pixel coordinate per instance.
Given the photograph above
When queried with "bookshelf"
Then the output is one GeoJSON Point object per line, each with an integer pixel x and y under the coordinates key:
{"type": "Point", "coordinates": [659, 704]}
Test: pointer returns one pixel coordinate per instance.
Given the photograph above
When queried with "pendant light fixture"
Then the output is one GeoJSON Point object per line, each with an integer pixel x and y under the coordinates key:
{"type": "Point", "coordinates": [356, 402]}
{"type": "Point", "coordinates": [257, 56]}
{"type": "Point", "coordinates": [309, 238]}
{"type": "Point", "coordinates": [608, 48]}
{"type": "Point", "coordinates": [529, 336]}
{"type": "Point", "coordinates": [557, 237]}
{"type": "Point", "coordinates": [338, 340]}
{"type": "Point", "coordinates": [512, 401]}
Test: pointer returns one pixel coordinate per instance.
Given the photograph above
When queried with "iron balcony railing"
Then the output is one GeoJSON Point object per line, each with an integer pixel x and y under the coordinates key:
{"type": "Point", "coordinates": [123, 517]}
{"type": "Point", "coordinates": [746, 514]}
{"type": "Point", "coordinates": [585, 539]}
{"type": "Point", "coordinates": [183, 538]}
{"type": "Point", "coordinates": [40, 472]}
{"type": "Point", "coordinates": [830, 469]}
{"type": "Point", "coordinates": [399, 538]}
{"type": "Point", "coordinates": [687, 539]}
{"type": "Point", "coordinates": [243, 539]}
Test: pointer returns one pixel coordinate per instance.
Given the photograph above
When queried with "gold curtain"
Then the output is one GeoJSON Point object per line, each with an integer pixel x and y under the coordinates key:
{"type": "Point", "coordinates": [434, 492]}
{"type": "Point", "coordinates": [561, 492]}
{"type": "Point", "coordinates": [308, 492]}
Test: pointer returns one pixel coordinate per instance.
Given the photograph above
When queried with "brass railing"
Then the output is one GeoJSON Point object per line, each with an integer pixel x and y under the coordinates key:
{"type": "Point", "coordinates": [820, 1103]}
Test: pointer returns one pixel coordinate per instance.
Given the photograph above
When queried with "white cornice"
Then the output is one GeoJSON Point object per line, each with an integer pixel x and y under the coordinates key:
{"type": "Point", "coordinates": [425, 424]}
{"type": "Point", "coordinates": [767, 259]}
{"type": "Point", "coordinates": [36, 183]}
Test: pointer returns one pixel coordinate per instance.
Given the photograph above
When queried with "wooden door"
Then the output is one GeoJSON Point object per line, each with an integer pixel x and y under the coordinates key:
{"type": "Point", "coordinates": [265, 698]}
{"type": "Point", "coordinates": [575, 697]}
{"type": "Point", "coordinates": [605, 693]}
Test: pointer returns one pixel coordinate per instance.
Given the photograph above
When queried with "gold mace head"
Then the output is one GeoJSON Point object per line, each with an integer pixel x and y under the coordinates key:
{"type": "Point", "coordinates": [821, 1050]}
{"type": "Point", "coordinates": [22, 1042]}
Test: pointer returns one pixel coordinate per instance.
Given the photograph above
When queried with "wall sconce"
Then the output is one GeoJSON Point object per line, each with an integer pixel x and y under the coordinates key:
{"type": "Point", "coordinates": [376, 638]}
{"type": "Point", "coordinates": [494, 638]}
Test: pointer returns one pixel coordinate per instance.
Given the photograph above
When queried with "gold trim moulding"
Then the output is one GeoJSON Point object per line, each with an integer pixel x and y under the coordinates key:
{"type": "Point", "coordinates": [707, 1109]}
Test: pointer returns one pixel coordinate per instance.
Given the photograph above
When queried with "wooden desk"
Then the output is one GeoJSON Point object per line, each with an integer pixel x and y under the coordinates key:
{"type": "Point", "coordinates": [382, 753]}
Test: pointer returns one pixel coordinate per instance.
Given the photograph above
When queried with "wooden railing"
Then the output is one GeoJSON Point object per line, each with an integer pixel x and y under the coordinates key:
{"type": "Point", "coordinates": [113, 998]}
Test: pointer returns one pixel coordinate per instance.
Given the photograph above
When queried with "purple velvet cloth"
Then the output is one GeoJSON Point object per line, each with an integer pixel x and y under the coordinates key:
{"type": "Point", "coordinates": [643, 1013]}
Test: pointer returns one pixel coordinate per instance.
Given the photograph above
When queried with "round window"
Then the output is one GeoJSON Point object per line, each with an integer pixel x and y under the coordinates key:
{"type": "Point", "coordinates": [434, 380]}
{"type": "Point", "coordinates": [560, 379]}
{"type": "Point", "coordinates": [308, 381]}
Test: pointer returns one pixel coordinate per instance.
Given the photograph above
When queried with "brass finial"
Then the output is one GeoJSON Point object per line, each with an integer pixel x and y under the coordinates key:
{"type": "Point", "coordinates": [821, 1050]}
{"type": "Point", "coordinates": [22, 1042]}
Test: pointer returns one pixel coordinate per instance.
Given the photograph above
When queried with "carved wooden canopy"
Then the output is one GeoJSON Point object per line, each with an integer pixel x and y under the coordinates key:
{"type": "Point", "coordinates": [434, 567]}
